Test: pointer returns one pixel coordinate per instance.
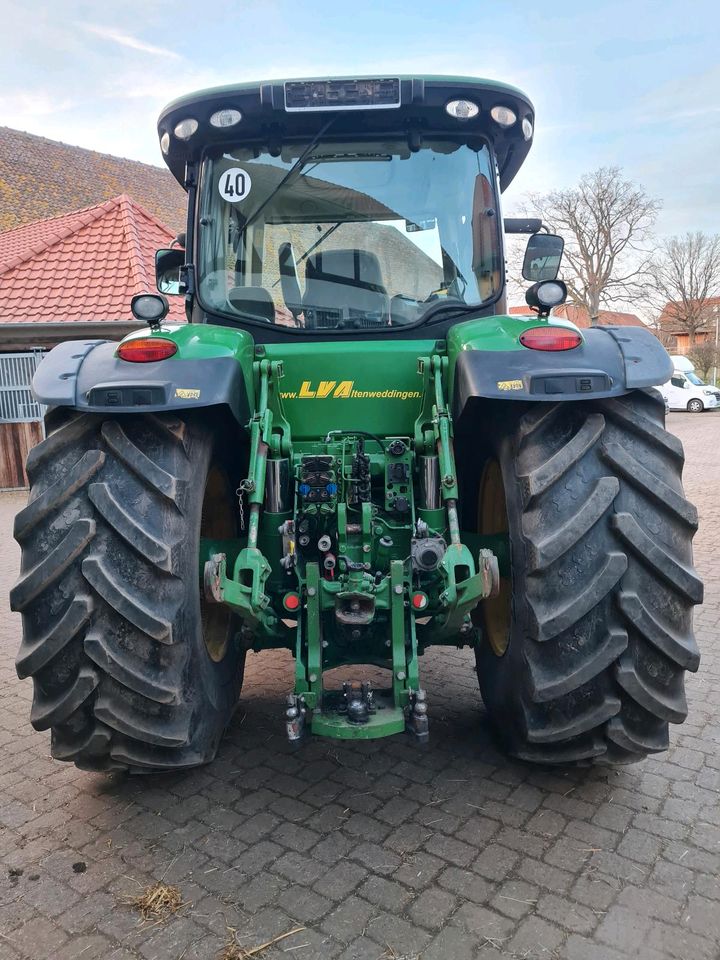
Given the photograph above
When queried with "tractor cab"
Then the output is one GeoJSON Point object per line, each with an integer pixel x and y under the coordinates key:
{"type": "Point", "coordinates": [345, 207]}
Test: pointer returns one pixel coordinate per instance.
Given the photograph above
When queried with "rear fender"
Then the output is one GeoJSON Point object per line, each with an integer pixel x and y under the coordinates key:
{"type": "Point", "coordinates": [610, 362]}
{"type": "Point", "coordinates": [213, 366]}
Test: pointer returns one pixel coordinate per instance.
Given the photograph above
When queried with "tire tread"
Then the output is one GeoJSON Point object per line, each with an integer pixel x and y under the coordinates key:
{"type": "Point", "coordinates": [601, 535]}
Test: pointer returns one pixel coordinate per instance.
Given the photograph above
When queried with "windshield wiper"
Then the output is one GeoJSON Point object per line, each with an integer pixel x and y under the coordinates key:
{"type": "Point", "coordinates": [292, 172]}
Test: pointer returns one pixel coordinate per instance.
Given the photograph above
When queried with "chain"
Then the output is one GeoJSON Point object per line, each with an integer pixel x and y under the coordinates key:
{"type": "Point", "coordinates": [245, 487]}
{"type": "Point", "coordinates": [239, 495]}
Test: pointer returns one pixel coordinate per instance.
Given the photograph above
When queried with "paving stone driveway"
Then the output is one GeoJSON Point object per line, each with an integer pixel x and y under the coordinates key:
{"type": "Point", "coordinates": [378, 850]}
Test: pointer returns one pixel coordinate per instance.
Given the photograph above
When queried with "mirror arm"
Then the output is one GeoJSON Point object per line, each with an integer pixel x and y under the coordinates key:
{"type": "Point", "coordinates": [523, 225]}
{"type": "Point", "coordinates": [187, 279]}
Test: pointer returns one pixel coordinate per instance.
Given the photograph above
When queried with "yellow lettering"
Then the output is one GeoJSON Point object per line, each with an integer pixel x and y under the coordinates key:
{"type": "Point", "coordinates": [325, 388]}
{"type": "Point", "coordinates": [305, 390]}
{"type": "Point", "coordinates": [344, 389]}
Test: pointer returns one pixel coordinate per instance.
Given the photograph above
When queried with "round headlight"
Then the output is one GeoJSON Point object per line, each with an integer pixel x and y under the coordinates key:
{"type": "Point", "coordinates": [225, 118]}
{"type": "Point", "coordinates": [527, 128]}
{"type": "Point", "coordinates": [165, 143]}
{"type": "Point", "coordinates": [462, 109]}
{"type": "Point", "coordinates": [185, 128]}
{"type": "Point", "coordinates": [503, 116]}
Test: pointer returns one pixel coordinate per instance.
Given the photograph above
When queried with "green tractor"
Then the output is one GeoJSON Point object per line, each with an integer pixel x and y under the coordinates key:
{"type": "Point", "coordinates": [353, 452]}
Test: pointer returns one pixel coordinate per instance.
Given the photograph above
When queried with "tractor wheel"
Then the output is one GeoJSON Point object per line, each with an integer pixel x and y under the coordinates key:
{"type": "Point", "coordinates": [132, 668]}
{"type": "Point", "coordinates": [583, 653]}
{"type": "Point", "coordinates": [695, 406]}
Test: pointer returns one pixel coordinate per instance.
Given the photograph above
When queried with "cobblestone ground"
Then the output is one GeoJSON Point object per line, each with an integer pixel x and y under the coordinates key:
{"type": "Point", "coordinates": [376, 850]}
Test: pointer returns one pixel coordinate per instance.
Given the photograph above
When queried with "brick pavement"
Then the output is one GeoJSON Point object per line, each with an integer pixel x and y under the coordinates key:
{"type": "Point", "coordinates": [377, 849]}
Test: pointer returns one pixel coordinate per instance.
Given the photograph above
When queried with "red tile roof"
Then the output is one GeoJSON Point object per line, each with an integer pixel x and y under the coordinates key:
{"type": "Point", "coordinates": [41, 178]}
{"type": "Point", "coordinates": [86, 265]}
{"type": "Point", "coordinates": [581, 318]}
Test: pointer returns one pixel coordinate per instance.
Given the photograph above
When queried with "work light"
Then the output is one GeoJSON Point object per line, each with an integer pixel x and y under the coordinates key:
{"type": "Point", "coordinates": [503, 116]}
{"type": "Point", "coordinates": [185, 128]}
{"type": "Point", "coordinates": [225, 118]}
{"type": "Point", "coordinates": [462, 109]}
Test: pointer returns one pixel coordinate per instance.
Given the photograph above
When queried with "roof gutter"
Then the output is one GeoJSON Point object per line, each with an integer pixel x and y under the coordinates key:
{"type": "Point", "coordinates": [28, 336]}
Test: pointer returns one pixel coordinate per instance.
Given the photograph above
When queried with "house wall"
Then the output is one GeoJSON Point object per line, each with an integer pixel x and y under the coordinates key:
{"type": "Point", "coordinates": [682, 341]}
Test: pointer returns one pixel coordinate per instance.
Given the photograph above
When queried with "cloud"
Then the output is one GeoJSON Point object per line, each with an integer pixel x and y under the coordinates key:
{"type": "Point", "coordinates": [125, 40]}
{"type": "Point", "coordinates": [26, 104]}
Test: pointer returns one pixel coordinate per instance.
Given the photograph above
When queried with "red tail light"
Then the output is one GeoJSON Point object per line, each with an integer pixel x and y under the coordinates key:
{"type": "Point", "coordinates": [419, 600]}
{"type": "Point", "coordinates": [291, 602]}
{"type": "Point", "coordinates": [550, 338]}
{"type": "Point", "coordinates": [146, 349]}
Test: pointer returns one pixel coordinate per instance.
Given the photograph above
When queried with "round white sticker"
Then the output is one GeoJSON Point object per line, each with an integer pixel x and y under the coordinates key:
{"type": "Point", "coordinates": [234, 184]}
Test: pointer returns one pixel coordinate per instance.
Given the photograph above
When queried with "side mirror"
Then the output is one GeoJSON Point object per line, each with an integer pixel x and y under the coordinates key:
{"type": "Point", "coordinates": [167, 270]}
{"type": "Point", "coordinates": [542, 257]}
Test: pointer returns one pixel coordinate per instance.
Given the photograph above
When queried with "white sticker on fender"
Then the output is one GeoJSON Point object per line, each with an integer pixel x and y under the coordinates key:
{"type": "Point", "coordinates": [234, 184]}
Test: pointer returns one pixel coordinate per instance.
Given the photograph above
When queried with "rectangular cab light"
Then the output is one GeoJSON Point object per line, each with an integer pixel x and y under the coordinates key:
{"type": "Point", "coordinates": [359, 94]}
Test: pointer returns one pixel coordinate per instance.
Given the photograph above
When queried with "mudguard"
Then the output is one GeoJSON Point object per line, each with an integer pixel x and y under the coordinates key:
{"type": "Point", "coordinates": [611, 361]}
{"type": "Point", "coordinates": [87, 376]}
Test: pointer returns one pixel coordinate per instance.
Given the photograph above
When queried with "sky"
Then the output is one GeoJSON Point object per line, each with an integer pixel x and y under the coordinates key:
{"type": "Point", "coordinates": [631, 83]}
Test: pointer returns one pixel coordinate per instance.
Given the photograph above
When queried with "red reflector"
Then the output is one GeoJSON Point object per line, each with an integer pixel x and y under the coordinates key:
{"type": "Point", "coordinates": [550, 338]}
{"type": "Point", "coordinates": [291, 601]}
{"type": "Point", "coordinates": [146, 349]}
{"type": "Point", "coordinates": [419, 601]}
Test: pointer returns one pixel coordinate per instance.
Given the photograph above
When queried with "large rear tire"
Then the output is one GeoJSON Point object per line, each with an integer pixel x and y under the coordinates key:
{"type": "Point", "coordinates": [131, 668]}
{"type": "Point", "coordinates": [583, 655]}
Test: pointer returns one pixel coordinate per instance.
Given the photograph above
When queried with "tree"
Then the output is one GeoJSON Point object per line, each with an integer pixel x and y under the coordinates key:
{"type": "Point", "coordinates": [686, 279]}
{"type": "Point", "coordinates": [605, 221]}
{"type": "Point", "coordinates": [705, 357]}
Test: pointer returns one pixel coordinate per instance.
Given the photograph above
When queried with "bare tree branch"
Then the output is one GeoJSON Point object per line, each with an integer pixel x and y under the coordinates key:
{"type": "Point", "coordinates": [686, 279]}
{"type": "Point", "coordinates": [605, 221]}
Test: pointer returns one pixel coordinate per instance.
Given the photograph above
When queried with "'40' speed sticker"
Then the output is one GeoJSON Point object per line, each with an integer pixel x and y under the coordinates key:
{"type": "Point", "coordinates": [234, 184]}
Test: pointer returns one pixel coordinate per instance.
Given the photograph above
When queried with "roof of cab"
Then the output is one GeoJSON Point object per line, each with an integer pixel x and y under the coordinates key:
{"type": "Point", "coordinates": [213, 93]}
{"type": "Point", "coordinates": [421, 107]}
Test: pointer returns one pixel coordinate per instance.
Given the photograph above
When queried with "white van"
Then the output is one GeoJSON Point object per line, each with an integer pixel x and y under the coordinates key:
{"type": "Point", "coordinates": [686, 391]}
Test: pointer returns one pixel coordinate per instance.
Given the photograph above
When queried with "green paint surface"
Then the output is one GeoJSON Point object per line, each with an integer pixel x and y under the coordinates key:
{"type": "Point", "coordinates": [369, 385]}
{"type": "Point", "coordinates": [372, 385]}
{"type": "Point", "coordinates": [385, 723]}
{"type": "Point", "coordinates": [497, 333]}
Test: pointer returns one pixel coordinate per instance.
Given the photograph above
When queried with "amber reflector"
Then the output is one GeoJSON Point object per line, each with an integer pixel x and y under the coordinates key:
{"type": "Point", "coordinates": [550, 338]}
{"type": "Point", "coordinates": [146, 349]}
